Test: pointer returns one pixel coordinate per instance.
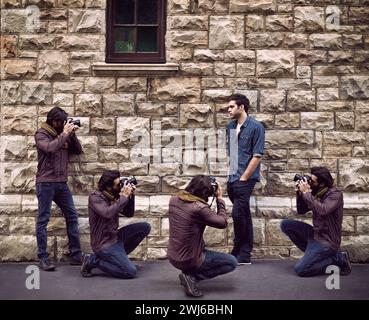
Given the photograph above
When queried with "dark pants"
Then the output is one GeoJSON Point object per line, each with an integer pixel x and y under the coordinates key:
{"type": "Point", "coordinates": [114, 259]}
{"type": "Point", "coordinates": [215, 264]}
{"type": "Point", "coordinates": [239, 192]}
{"type": "Point", "coordinates": [61, 195]}
{"type": "Point", "coordinates": [317, 256]}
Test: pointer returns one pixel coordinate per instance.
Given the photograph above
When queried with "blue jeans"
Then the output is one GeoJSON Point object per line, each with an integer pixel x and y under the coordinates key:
{"type": "Point", "coordinates": [239, 193]}
{"type": "Point", "coordinates": [215, 264]}
{"type": "Point", "coordinates": [317, 256]}
{"type": "Point", "coordinates": [47, 192]}
{"type": "Point", "coordinates": [114, 260]}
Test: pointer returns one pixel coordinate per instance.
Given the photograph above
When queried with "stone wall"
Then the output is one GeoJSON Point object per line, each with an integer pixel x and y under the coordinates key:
{"type": "Point", "coordinates": [305, 71]}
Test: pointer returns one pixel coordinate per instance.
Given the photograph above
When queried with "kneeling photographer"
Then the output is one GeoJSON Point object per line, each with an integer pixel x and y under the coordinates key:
{"type": "Point", "coordinates": [189, 214]}
{"type": "Point", "coordinates": [320, 242]}
{"type": "Point", "coordinates": [111, 244]}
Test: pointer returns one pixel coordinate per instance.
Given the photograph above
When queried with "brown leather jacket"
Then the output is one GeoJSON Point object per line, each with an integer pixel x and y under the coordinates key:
{"type": "Point", "coordinates": [327, 215]}
{"type": "Point", "coordinates": [104, 218]}
{"type": "Point", "coordinates": [187, 222]}
{"type": "Point", "coordinates": [53, 155]}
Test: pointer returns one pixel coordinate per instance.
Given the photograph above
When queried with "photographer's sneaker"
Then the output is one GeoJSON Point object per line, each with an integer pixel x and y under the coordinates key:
{"type": "Point", "coordinates": [189, 284]}
{"type": "Point", "coordinates": [345, 268]}
{"type": "Point", "coordinates": [46, 265]}
{"type": "Point", "coordinates": [85, 269]}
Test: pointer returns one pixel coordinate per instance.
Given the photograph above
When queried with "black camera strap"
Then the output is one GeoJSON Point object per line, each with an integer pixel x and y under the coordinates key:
{"type": "Point", "coordinates": [212, 201]}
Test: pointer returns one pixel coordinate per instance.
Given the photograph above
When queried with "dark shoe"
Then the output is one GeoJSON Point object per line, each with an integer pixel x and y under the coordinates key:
{"type": "Point", "coordinates": [189, 284]}
{"type": "Point", "coordinates": [46, 265]}
{"type": "Point", "coordinates": [235, 252]}
{"type": "Point", "coordinates": [345, 268]}
{"type": "Point", "coordinates": [243, 261]}
{"type": "Point", "coordinates": [85, 269]}
{"type": "Point", "coordinates": [77, 260]}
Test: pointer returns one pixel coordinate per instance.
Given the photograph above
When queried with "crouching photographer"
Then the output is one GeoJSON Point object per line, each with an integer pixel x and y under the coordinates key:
{"type": "Point", "coordinates": [320, 242]}
{"type": "Point", "coordinates": [189, 214]}
{"type": "Point", "coordinates": [111, 244]}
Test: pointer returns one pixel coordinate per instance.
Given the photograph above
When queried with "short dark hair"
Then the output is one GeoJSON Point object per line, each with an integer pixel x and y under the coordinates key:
{"type": "Point", "coordinates": [200, 186]}
{"type": "Point", "coordinates": [57, 114]}
{"type": "Point", "coordinates": [240, 100]}
{"type": "Point", "coordinates": [323, 175]}
{"type": "Point", "coordinates": [107, 179]}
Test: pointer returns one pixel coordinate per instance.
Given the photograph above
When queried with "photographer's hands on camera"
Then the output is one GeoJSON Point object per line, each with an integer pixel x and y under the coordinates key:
{"type": "Point", "coordinates": [128, 189]}
{"type": "Point", "coordinates": [70, 127]}
{"type": "Point", "coordinates": [303, 186]}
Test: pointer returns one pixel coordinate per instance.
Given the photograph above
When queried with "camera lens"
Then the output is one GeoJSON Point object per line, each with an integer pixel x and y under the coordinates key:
{"type": "Point", "coordinates": [297, 177]}
{"type": "Point", "coordinates": [132, 180]}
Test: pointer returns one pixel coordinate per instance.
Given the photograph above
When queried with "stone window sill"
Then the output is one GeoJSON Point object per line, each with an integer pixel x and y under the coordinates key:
{"type": "Point", "coordinates": [134, 69]}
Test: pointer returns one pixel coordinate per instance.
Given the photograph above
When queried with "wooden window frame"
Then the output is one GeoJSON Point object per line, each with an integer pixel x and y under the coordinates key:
{"type": "Point", "coordinates": [135, 57]}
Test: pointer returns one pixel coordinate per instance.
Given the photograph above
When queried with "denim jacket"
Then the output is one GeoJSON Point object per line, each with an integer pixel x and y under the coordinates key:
{"type": "Point", "coordinates": [242, 148]}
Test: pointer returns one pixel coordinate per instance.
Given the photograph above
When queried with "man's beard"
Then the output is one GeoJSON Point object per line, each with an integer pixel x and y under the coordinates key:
{"type": "Point", "coordinates": [315, 190]}
{"type": "Point", "coordinates": [59, 129]}
{"type": "Point", "coordinates": [115, 193]}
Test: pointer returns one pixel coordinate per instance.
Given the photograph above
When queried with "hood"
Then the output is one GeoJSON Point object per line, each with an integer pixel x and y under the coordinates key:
{"type": "Point", "coordinates": [189, 197]}
{"type": "Point", "coordinates": [48, 129]}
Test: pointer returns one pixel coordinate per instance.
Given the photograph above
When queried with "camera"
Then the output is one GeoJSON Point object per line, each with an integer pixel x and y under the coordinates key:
{"type": "Point", "coordinates": [301, 178]}
{"type": "Point", "coordinates": [214, 184]}
{"type": "Point", "coordinates": [132, 180]}
{"type": "Point", "coordinates": [75, 122]}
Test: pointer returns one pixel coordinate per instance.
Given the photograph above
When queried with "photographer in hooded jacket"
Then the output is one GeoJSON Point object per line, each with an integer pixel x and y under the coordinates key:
{"type": "Point", "coordinates": [55, 141]}
{"type": "Point", "coordinates": [189, 214]}
{"type": "Point", "coordinates": [320, 242]}
{"type": "Point", "coordinates": [111, 244]}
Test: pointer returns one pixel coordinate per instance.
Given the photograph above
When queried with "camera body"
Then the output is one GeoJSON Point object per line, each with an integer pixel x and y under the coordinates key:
{"type": "Point", "coordinates": [298, 178]}
{"type": "Point", "coordinates": [132, 180]}
{"type": "Point", "coordinates": [75, 122]}
{"type": "Point", "coordinates": [214, 185]}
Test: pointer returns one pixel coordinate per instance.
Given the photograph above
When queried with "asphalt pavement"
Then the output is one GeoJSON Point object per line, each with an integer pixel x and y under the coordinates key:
{"type": "Point", "coordinates": [158, 280]}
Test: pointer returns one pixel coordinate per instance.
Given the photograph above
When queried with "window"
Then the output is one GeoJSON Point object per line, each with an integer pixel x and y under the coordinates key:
{"type": "Point", "coordinates": [135, 31]}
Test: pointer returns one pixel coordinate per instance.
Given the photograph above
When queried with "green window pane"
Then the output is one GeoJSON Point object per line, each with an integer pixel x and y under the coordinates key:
{"type": "Point", "coordinates": [124, 39]}
{"type": "Point", "coordinates": [147, 39]}
{"type": "Point", "coordinates": [125, 12]}
{"type": "Point", "coordinates": [147, 11]}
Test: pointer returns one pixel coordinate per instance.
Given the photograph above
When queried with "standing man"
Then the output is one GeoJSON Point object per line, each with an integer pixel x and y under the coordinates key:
{"type": "Point", "coordinates": [55, 141]}
{"type": "Point", "coordinates": [245, 146]}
